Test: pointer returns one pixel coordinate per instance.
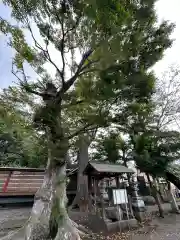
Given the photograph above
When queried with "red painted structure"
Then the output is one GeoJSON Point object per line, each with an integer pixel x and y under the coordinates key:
{"type": "Point", "coordinates": [5, 186]}
{"type": "Point", "coordinates": [20, 181]}
{"type": "Point", "coordinates": [17, 182]}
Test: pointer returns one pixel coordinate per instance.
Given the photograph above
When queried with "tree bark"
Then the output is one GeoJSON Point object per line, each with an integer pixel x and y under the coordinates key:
{"type": "Point", "coordinates": [49, 218]}
{"type": "Point", "coordinates": [66, 229]}
{"type": "Point", "coordinates": [125, 164]}
{"type": "Point", "coordinates": [81, 198]}
{"type": "Point", "coordinates": [38, 226]}
{"type": "Point", "coordinates": [156, 196]}
{"type": "Point", "coordinates": [174, 206]}
{"type": "Point", "coordinates": [158, 202]}
{"type": "Point", "coordinates": [173, 179]}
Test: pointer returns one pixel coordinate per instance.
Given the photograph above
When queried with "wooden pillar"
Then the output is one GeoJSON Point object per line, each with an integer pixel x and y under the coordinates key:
{"type": "Point", "coordinates": [95, 193]}
{"type": "Point", "coordinates": [90, 205]}
{"type": "Point", "coordinates": [117, 182]}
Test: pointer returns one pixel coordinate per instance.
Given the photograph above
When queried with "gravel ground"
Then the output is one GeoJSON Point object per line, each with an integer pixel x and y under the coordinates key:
{"type": "Point", "coordinates": [12, 218]}
{"type": "Point", "coordinates": [13, 213]}
{"type": "Point", "coordinates": [159, 229]}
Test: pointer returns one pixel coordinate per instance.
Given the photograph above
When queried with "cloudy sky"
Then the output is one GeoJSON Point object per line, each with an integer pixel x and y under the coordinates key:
{"type": "Point", "coordinates": [166, 10]}
{"type": "Point", "coordinates": [169, 10]}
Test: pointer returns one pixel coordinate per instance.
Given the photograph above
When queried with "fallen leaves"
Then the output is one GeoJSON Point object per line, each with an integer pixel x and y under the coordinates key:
{"type": "Point", "coordinates": [115, 236]}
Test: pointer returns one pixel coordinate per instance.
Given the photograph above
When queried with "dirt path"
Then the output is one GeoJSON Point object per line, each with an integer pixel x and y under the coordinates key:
{"type": "Point", "coordinates": [160, 229]}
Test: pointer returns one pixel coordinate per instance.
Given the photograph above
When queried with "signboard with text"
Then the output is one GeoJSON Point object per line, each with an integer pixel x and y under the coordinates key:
{"type": "Point", "coordinates": [120, 196]}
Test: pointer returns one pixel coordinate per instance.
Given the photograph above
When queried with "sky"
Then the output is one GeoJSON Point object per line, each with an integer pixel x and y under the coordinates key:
{"type": "Point", "coordinates": [168, 10]}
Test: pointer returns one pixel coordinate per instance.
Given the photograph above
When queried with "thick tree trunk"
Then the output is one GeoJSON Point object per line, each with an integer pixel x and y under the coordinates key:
{"type": "Point", "coordinates": [156, 196]}
{"type": "Point", "coordinates": [38, 226]}
{"type": "Point", "coordinates": [81, 198]}
{"type": "Point", "coordinates": [173, 179]}
{"type": "Point", "coordinates": [174, 205]}
{"type": "Point", "coordinates": [125, 164]}
{"type": "Point", "coordinates": [158, 202]}
{"type": "Point", "coordinates": [49, 218]}
{"type": "Point", "coordinates": [66, 229]}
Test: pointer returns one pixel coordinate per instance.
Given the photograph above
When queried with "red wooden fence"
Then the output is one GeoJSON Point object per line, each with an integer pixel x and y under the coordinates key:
{"type": "Point", "coordinates": [20, 181]}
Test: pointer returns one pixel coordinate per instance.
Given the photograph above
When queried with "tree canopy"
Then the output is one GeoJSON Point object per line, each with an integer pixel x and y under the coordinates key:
{"type": "Point", "coordinates": [92, 60]}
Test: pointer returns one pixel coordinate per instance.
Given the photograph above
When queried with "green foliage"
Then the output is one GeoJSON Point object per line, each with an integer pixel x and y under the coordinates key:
{"type": "Point", "coordinates": [111, 147]}
{"type": "Point", "coordinates": [155, 150]}
{"type": "Point", "coordinates": [126, 86]}
{"type": "Point", "coordinates": [107, 148]}
{"type": "Point", "coordinates": [65, 24]}
{"type": "Point", "coordinates": [85, 27]}
{"type": "Point", "coordinates": [118, 42]}
{"type": "Point", "coordinates": [20, 144]}
{"type": "Point", "coordinates": [131, 86]}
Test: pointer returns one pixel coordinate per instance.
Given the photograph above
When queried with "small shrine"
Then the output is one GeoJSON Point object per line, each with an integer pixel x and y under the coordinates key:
{"type": "Point", "coordinates": [110, 204]}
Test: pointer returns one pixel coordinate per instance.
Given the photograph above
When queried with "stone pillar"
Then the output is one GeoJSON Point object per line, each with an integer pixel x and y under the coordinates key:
{"type": "Point", "coordinates": [102, 193]}
{"type": "Point", "coordinates": [137, 201]}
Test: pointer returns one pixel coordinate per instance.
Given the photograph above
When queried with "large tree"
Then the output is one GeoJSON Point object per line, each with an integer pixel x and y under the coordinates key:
{"type": "Point", "coordinates": [115, 42]}
{"type": "Point", "coordinates": [86, 29]}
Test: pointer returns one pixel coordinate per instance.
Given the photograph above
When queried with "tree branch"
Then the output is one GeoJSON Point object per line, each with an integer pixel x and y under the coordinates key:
{"type": "Point", "coordinates": [89, 64]}
{"type": "Point", "coordinates": [62, 45]}
{"type": "Point", "coordinates": [70, 82]}
{"type": "Point", "coordinates": [24, 82]}
{"type": "Point", "coordinates": [45, 52]}
{"type": "Point", "coordinates": [165, 97]}
{"type": "Point", "coordinates": [72, 104]}
{"type": "Point", "coordinates": [85, 128]}
{"type": "Point", "coordinates": [89, 71]}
